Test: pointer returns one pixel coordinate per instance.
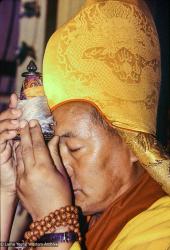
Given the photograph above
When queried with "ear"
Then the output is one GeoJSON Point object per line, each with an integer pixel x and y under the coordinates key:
{"type": "Point", "coordinates": [133, 157]}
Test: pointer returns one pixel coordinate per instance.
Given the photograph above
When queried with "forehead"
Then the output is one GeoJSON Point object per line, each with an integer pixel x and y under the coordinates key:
{"type": "Point", "coordinates": [72, 117]}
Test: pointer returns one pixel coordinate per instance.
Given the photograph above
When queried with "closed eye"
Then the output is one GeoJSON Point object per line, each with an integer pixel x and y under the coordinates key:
{"type": "Point", "coordinates": [74, 149]}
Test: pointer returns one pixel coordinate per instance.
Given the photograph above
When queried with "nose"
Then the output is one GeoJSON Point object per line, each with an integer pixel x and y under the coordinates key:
{"type": "Point", "coordinates": [66, 159]}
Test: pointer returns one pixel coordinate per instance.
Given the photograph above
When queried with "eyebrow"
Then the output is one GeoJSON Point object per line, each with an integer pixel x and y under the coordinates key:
{"type": "Point", "coordinates": [68, 135]}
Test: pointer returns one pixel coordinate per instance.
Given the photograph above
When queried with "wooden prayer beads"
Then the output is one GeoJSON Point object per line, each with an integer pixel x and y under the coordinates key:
{"type": "Point", "coordinates": [65, 216]}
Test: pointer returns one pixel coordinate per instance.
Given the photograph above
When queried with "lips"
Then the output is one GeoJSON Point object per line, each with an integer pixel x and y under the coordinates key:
{"type": "Point", "coordinates": [76, 188]}
{"type": "Point", "coordinates": [77, 191]}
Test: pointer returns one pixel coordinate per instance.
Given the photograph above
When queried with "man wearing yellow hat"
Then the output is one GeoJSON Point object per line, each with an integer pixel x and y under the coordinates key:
{"type": "Point", "coordinates": [101, 75]}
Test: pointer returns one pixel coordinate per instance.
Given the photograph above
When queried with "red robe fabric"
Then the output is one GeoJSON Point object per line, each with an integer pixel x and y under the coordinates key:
{"type": "Point", "coordinates": [135, 200]}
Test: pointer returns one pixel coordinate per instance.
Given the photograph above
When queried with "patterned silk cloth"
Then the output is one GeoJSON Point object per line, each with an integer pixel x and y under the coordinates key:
{"type": "Point", "coordinates": [109, 55]}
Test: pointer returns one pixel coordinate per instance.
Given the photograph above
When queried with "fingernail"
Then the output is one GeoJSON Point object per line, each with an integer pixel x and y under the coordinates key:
{"type": "Point", "coordinates": [33, 123]}
{"type": "Point", "coordinates": [16, 144]}
{"type": "Point", "coordinates": [23, 123]}
{"type": "Point", "coordinates": [15, 111]}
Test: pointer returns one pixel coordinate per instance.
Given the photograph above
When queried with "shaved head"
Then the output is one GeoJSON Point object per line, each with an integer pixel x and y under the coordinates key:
{"type": "Point", "coordinates": [88, 109]}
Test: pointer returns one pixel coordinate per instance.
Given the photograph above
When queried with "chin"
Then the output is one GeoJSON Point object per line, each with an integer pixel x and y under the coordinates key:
{"type": "Point", "coordinates": [87, 209]}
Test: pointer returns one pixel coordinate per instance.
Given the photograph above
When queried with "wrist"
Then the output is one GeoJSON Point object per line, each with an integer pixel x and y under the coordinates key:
{"type": "Point", "coordinates": [40, 214]}
{"type": "Point", "coordinates": [61, 220]}
{"type": "Point", "coordinates": [8, 208]}
{"type": "Point", "coordinates": [8, 196]}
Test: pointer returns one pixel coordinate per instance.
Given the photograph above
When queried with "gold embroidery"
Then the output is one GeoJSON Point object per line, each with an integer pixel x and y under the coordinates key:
{"type": "Point", "coordinates": [151, 155]}
{"type": "Point", "coordinates": [96, 14]}
{"type": "Point", "coordinates": [126, 65]}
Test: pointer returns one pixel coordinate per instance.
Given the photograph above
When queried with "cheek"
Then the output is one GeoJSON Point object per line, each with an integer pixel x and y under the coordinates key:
{"type": "Point", "coordinates": [92, 175]}
{"type": "Point", "coordinates": [88, 169]}
{"type": "Point", "coordinates": [97, 174]}
{"type": "Point", "coordinates": [97, 190]}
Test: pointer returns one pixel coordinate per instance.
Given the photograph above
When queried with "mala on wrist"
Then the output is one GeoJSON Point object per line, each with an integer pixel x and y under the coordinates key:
{"type": "Point", "coordinates": [63, 217]}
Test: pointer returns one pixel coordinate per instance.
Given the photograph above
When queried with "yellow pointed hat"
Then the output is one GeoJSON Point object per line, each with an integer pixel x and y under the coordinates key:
{"type": "Point", "coordinates": [109, 55]}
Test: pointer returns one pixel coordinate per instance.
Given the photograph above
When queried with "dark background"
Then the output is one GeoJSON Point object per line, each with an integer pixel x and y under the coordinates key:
{"type": "Point", "coordinates": [161, 12]}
